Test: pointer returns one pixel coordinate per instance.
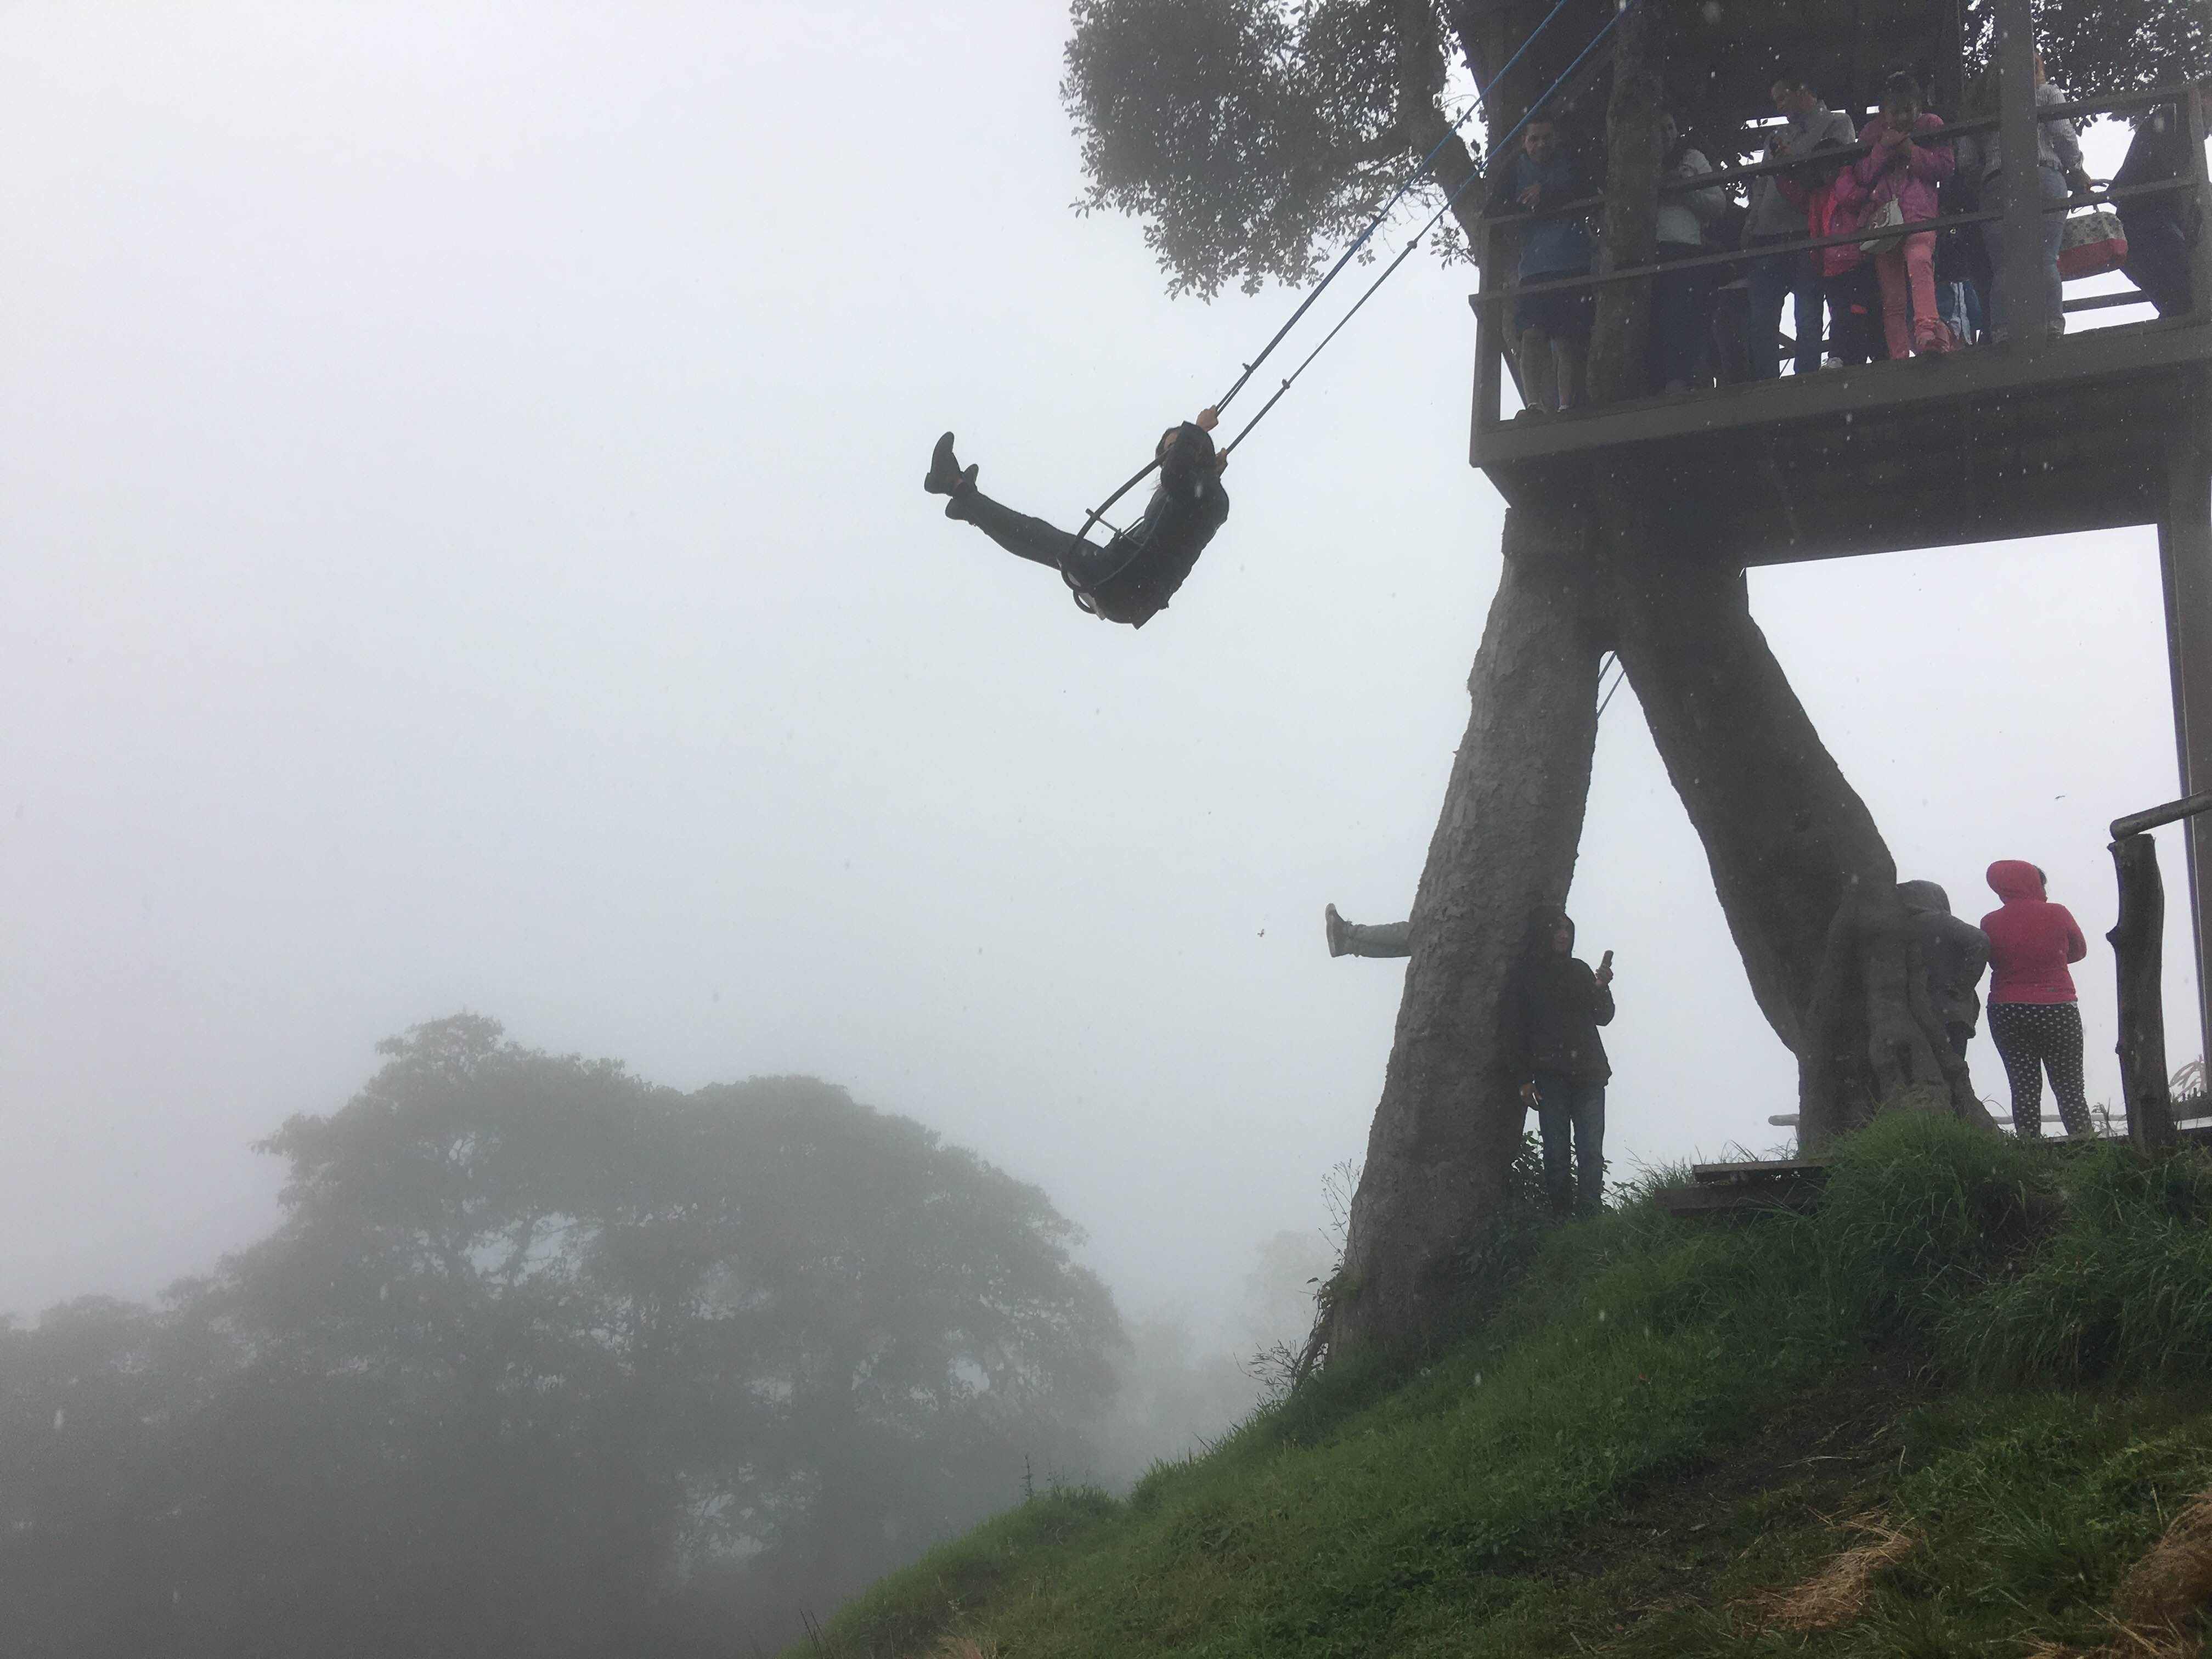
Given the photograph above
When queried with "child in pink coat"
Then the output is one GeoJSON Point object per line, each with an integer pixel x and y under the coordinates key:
{"type": "Point", "coordinates": [1905, 167]}
{"type": "Point", "coordinates": [1837, 204]}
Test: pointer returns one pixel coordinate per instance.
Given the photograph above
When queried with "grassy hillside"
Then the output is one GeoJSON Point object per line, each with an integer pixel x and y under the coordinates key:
{"type": "Point", "coordinates": [1953, 1411]}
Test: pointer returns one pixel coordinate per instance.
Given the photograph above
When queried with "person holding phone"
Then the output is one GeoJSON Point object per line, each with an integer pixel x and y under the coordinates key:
{"type": "Point", "coordinates": [1554, 1004]}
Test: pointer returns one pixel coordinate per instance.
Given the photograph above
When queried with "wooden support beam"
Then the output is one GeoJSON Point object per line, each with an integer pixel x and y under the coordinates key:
{"type": "Point", "coordinates": [2020, 259]}
{"type": "Point", "coordinates": [2138, 939]}
{"type": "Point", "coordinates": [2184, 555]}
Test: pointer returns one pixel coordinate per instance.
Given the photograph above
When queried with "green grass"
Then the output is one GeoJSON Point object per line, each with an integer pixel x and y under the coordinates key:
{"type": "Point", "coordinates": [2008, 1346]}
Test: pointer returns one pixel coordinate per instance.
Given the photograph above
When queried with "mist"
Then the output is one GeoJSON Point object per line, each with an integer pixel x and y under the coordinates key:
{"type": "Point", "coordinates": [461, 552]}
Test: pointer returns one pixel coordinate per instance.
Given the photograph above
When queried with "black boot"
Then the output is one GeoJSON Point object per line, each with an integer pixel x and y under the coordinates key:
{"type": "Point", "coordinates": [946, 477]}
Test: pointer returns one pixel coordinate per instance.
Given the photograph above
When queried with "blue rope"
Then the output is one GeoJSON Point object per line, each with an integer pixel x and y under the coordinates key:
{"type": "Point", "coordinates": [1620, 11]}
{"type": "Point", "coordinates": [1482, 96]}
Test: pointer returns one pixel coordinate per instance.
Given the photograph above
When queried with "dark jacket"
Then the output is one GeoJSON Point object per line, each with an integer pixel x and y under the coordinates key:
{"type": "Point", "coordinates": [1161, 547]}
{"type": "Point", "coordinates": [1954, 952]}
{"type": "Point", "coordinates": [1549, 248]}
{"type": "Point", "coordinates": [1553, 1008]}
{"type": "Point", "coordinates": [2159, 151]}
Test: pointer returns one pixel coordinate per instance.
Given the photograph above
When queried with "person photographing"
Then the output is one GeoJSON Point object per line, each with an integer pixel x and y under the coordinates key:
{"type": "Point", "coordinates": [1555, 1002]}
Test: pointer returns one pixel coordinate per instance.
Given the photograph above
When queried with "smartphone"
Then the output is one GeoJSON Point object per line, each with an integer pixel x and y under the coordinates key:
{"type": "Point", "coordinates": [1606, 961]}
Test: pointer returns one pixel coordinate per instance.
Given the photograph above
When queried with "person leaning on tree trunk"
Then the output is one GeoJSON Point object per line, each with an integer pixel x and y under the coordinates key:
{"type": "Point", "coordinates": [1554, 1004]}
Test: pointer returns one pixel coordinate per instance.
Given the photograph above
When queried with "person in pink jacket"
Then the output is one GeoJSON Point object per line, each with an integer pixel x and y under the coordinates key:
{"type": "Point", "coordinates": [1835, 204]}
{"type": "Point", "coordinates": [2034, 1019]}
{"type": "Point", "coordinates": [1904, 166]}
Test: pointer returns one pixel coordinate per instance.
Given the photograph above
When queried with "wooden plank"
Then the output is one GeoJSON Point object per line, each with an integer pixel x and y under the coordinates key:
{"type": "Point", "coordinates": [1780, 1169]}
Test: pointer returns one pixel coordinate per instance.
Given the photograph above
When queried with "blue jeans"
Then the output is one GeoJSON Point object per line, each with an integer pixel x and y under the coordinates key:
{"type": "Point", "coordinates": [1772, 280]}
{"type": "Point", "coordinates": [1571, 1120]}
{"type": "Point", "coordinates": [2051, 184]}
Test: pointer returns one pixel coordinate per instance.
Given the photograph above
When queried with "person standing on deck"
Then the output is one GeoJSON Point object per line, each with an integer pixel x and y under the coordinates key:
{"type": "Point", "coordinates": [1550, 331]}
{"type": "Point", "coordinates": [1775, 217]}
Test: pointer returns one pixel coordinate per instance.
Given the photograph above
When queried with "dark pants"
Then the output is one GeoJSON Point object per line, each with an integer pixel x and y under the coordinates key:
{"type": "Point", "coordinates": [1855, 307]}
{"type": "Point", "coordinates": [1960, 1034]}
{"type": "Point", "coordinates": [2158, 262]}
{"type": "Point", "coordinates": [1571, 1119]}
{"type": "Point", "coordinates": [1774, 279]}
{"type": "Point", "coordinates": [2033, 1037]}
{"type": "Point", "coordinates": [1678, 320]}
{"type": "Point", "coordinates": [1034, 540]}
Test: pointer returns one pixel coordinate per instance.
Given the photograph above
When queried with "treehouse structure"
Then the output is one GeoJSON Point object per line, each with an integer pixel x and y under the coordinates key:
{"type": "Point", "coordinates": [2096, 429]}
{"type": "Point", "coordinates": [1631, 517]}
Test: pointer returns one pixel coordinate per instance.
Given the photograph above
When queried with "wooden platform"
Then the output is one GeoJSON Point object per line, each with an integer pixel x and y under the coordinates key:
{"type": "Point", "coordinates": [2070, 434]}
{"type": "Point", "coordinates": [1790, 1183]}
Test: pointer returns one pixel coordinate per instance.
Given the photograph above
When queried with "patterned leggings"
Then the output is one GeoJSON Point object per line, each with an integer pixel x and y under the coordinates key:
{"type": "Point", "coordinates": [2032, 1037]}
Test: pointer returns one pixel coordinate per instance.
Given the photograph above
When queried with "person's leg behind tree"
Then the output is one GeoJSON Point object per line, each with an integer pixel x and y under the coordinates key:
{"type": "Point", "coordinates": [1590, 1148]}
{"type": "Point", "coordinates": [1352, 938]}
{"type": "Point", "coordinates": [1555, 1128]}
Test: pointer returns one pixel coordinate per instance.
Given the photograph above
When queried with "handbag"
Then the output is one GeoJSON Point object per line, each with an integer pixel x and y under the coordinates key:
{"type": "Point", "coordinates": [2092, 244]}
{"type": "Point", "coordinates": [1888, 218]}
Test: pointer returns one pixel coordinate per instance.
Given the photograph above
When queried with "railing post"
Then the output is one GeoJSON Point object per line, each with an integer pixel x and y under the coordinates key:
{"type": "Point", "coordinates": [1489, 331]}
{"type": "Point", "coordinates": [2192, 115]}
{"type": "Point", "coordinates": [2138, 961]}
{"type": "Point", "coordinates": [2185, 557]}
{"type": "Point", "coordinates": [2018, 191]}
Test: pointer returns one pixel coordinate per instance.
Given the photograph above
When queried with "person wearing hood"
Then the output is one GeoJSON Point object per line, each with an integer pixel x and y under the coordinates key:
{"type": "Point", "coordinates": [2035, 1019]}
{"type": "Point", "coordinates": [1953, 953]}
{"type": "Point", "coordinates": [1554, 1004]}
{"type": "Point", "coordinates": [1132, 578]}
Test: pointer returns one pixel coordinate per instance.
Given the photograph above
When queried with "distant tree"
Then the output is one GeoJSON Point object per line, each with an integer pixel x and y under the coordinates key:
{"type": "Point", "coordinates": [543, 1360]}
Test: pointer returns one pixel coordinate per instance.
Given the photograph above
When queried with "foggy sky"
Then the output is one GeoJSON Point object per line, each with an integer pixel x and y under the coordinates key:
{"type": "Point", "coordinates": [461, 547]}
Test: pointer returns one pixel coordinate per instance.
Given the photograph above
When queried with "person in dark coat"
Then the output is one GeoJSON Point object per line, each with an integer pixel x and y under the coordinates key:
{"type": "Point", "coordinates": [2163, 226]}
{"type": "Point", "coordinates": [1132, 577]}
{"type": "Point", "coordinates": [1953, 953]}
{"type": "Point", "coordinates": [1553, 1006]}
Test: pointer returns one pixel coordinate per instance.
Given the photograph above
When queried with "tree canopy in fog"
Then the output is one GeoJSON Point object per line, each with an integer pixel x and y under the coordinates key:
{"type": "Point", "coordinates": [1254, 138]}
{"type": "Point", "coordinates": [544, 1359]}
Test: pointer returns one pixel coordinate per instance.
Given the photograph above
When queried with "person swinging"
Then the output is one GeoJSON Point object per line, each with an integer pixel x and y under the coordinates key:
{"type": "Point", "coordinates": [1132, 577]}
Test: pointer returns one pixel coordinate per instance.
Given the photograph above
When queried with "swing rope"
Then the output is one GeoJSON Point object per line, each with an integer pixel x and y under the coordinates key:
{"type": "Point", "coordinates": [1480, 100]}
{"type": "Point", "coordinates": [1435, 219]}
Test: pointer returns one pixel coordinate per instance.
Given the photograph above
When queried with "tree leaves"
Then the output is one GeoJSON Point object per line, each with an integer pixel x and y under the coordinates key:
{"type": "Point", "coordinates": [544, 1359]}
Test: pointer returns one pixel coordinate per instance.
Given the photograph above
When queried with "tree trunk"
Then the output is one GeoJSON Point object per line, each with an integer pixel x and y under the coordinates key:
{"type": "Point", "coordinates": [1803, 875]}
{"type": "Point", "coordinates": [1449, 1120]}
{"type": "Point", "coordinates": [1633, 152]}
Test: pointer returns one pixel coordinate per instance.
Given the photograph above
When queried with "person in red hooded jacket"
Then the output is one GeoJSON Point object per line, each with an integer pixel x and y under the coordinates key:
{"type": "Point", "coordinates": [2034, 1019]}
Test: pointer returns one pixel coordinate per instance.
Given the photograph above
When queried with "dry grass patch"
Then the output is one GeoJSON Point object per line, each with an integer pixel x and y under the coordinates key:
{"type": "Point", "coordinates": [1843, 1590]}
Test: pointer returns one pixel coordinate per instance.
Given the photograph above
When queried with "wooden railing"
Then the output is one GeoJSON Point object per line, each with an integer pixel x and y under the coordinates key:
{"type": "Point", "coordinates": [2019, 206]}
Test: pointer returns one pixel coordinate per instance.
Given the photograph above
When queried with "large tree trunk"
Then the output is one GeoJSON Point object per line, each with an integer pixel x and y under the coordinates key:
{"type": "Point", "coordinates": [1804, 878]}
{"type": "Point", "coordinates": [1450, 1119]}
